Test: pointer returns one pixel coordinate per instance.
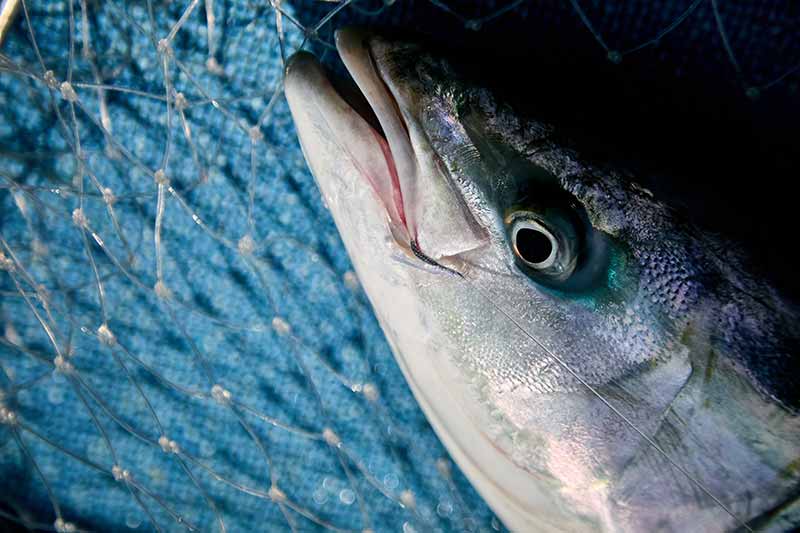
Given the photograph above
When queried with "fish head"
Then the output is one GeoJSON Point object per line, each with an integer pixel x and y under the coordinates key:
{"type": "Point", "coordinates": [589, 358]}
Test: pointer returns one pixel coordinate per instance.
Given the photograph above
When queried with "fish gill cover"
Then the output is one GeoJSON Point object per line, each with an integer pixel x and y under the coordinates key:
{"type": "Point", "coordinates": [184, 344]}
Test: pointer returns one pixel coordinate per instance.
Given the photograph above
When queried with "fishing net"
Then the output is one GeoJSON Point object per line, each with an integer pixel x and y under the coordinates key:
{"type": "Point", "coordinates": [184, 344]}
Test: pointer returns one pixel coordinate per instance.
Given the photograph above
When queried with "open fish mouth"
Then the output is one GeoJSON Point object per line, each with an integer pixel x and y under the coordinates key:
{"type": "Point", "coordinates": [367, 122]}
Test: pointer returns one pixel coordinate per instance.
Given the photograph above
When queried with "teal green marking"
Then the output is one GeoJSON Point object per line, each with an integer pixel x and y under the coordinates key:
{"type": "Point", "coordinates": [610, 288]}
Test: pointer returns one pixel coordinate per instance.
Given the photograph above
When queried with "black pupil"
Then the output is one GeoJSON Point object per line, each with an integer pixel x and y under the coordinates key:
{"type": "Point", "coordinates": [533, 246]}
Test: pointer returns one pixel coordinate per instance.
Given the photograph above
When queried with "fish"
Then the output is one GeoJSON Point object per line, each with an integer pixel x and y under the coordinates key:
{"type": "Point", "coordinates": [8, 10]}
{"type": "Point", "coordinates": [591, 358]}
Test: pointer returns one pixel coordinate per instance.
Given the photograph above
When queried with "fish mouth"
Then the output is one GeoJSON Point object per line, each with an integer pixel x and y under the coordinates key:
{"type": "Point", "coordinates": [364, 117]}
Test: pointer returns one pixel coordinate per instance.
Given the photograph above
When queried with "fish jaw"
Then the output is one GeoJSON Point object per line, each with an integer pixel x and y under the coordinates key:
{"type": "Point", "coordinates": [339, 145]}
{"type": "Point", "coordinates": [341, 150]}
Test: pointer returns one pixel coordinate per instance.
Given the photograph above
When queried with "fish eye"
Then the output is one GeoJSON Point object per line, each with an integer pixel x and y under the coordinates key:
{"type": "Point", "coordinates": [545, 244]}
{"type": "Point", "coordinates": [534, 244]}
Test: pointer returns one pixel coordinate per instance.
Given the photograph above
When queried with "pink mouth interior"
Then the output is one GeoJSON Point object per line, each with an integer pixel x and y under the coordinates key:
{"type": "Point", "coordinates": [397, 193]}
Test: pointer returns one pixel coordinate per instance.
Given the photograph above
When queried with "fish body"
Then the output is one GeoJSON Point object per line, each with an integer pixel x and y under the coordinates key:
{"type": "Point", "coordinates": [589, 358]}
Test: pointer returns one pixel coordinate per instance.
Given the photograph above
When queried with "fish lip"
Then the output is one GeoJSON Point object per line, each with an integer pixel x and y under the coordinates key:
{"type": "Point", "coordinates": [403, 179]}
{"type": "Point", "coordinates": [353, 45]}
{"type": "Point", "coordinates": [312, 96]}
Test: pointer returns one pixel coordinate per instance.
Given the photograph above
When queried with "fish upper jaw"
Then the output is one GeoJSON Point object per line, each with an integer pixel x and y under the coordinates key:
{"type": "Point", "coordinates": [353, 48]}
{"type": "Point", "coordinates": [433, 212]}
